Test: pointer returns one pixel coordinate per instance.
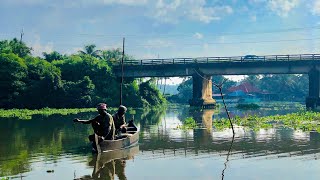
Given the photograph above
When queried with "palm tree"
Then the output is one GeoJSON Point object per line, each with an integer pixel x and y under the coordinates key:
{"type": "Point", "coordinates": [90, 50]}
{"type": "Point", "coordinates": [113, 55]}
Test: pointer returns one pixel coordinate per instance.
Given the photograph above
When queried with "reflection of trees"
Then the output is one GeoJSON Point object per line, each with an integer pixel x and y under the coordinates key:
{"type": "Point", "coordinates": [280, 142]}
{"type": "Point", "coordinates": [50, 136]}
{"type": "Point", "coordinates": [149, 116]}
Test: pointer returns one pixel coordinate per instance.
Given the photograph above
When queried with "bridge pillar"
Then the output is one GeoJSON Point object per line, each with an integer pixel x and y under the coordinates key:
{"type": "Point", "coordinates": [313, 101]}
{"type": "Point", "coordinates": [202, 92]}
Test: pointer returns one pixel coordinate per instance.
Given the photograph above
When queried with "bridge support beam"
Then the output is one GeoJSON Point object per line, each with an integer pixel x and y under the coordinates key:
{"type": "Point", "coordinates": [202, 92]}
{"type": "Point", "coordinates": [313, 100]}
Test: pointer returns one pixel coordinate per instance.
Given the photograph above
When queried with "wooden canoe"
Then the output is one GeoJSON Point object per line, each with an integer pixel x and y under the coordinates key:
{"type": "Point", "coordinates": [129, 139]}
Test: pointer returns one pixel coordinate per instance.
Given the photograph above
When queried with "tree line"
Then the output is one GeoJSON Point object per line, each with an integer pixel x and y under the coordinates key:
{"type": "Point", "coordinates": [64, 81]}
{"type": "Point", "coordinates": [288, 87]}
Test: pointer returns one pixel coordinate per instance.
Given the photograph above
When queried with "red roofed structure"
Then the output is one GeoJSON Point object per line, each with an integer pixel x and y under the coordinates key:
{"type": "Point", "coordinates": [246, 87]}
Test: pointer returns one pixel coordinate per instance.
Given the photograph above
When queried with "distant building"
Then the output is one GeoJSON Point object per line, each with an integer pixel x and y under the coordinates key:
{"type": "Point", "coordinates": [245, 87]}
{"type": "Point", "coordinates": [246, 92]}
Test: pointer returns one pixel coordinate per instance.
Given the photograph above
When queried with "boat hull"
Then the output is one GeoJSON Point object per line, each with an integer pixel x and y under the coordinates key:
{"type": "Point", "coordinates": [129, 141]}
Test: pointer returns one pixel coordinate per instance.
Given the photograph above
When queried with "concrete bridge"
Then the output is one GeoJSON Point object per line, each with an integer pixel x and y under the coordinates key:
{"type": "Point", "coordinates": [202, 69]}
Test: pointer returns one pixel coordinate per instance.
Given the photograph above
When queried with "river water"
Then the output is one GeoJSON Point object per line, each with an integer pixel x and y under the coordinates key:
{"type": "Point", "coordinates": [55, 148]}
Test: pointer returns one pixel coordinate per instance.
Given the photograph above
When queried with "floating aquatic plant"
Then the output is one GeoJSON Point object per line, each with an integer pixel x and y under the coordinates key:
{"type": "Point", "coordinates": [189, 123]}
{"type": "Point", "coordinates": [303, 120]}
{"type": "Point", "coordinates": [27, 114]}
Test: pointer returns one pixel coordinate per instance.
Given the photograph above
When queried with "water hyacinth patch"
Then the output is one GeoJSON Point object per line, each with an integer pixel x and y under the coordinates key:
{"type": "Point", "coordinates": [304, 120]}
{"type": "Point", "coordinates": [26, 114]}
{"type": "Point", "coordinates": [189, 123]}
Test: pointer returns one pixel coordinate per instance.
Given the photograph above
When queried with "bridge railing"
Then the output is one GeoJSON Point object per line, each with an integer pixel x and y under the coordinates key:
{"type": "Point", "coordinates": [247, 58]}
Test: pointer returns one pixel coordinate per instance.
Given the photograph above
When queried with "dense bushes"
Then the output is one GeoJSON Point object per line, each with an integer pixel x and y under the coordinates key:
{"type": "Point", "coordinates": [78, 80]}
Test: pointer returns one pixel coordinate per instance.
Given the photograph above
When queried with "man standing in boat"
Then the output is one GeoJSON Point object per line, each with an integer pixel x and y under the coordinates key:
{"type": "Point", "coordinates": [102, 125]}
{"type": "Point", "coordinates": [119, 119]}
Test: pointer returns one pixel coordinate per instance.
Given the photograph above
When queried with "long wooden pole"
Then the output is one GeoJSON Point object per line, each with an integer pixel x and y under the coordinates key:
{"type": "Point", "coordinates": [122, 71]}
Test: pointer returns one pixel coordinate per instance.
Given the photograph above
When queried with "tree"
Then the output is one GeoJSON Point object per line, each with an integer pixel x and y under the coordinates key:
{"type": "Point", "coordinates": [14, 46]}
{"type": "Point", "coordinates": [13, 71]}
{"type": "Point", "coordinates": [90, 50]}
{"type": "Point", "coordinates": [44, 84]}
{"type": "Point", "coordinates": [113, 55]}
{"type": "Point", "coordinates": [52, 56]}
{"type": "Point", "coordinates": [227, 83]}
{"type": "Point", "coordinates": [185, 90]}
{"type": "Point", "coordinates": [151, 93]}
{"type": "Point", "coordinates": [252, 79]}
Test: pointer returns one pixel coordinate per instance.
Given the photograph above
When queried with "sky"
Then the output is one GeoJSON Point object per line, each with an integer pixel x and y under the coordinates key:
{"type": "Point", "coordinates": [164, 28]}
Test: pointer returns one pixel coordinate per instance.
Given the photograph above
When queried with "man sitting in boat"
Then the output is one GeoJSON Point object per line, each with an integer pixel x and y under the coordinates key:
{"type": "Point", "coordinates": [102, 125]}
{"type": "Point", "coordinates": [119, 119]}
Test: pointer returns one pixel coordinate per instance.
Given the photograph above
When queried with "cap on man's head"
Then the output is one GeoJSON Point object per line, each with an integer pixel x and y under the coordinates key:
{"type": "Point", "coordinates": [102, 106]}
{"type": "Point", "coordinates": [122, 108]}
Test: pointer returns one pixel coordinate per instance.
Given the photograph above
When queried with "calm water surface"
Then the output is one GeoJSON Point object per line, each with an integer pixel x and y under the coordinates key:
{"type": "Point", "coordinates": [55, 148]}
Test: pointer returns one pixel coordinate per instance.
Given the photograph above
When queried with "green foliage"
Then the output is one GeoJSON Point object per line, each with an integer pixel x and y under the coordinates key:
{"type": "Point", "coordinates": [151, 93]}
{"type": "Point", "coordinates": [26, 114]}
{"type": "Point", "coordinates": [304, 120]}
{"type": "Point", "coordinates": [14, 46]}
{"type": "Point", "coordinates": [43, 84]}
{"type": "Point", "coordinates": [52, 56]}
{"type": "Point", "coordinates": [13, 71]}
{"type": "Point", "coordinates": [227, 83]}
{"type": "Point", "coordinates": [90, 50]}
{"type": "Point", "coordinates": [112, 56]}
{"type": "Point", "coordinates": [81, 80]}
{"type": "Point", "coordinates": [247, 106]}
{"type": "Point", "coordinates": [287, 86]}
{"type": "Point", "coordinates": [189, 123]}
{"type": "Point", "coordinates": [106, 86]}
{"type": "Point", "coordinates": [185, 92]}
{"type": "Point", "coordinates": [78, 94]}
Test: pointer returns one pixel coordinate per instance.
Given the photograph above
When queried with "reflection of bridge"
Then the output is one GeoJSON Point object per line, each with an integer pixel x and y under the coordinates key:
{"type": "Point", "coordinates": [204, 146]}
{"type": "Point", "coordinates": [204, 142]}
{"type": "Point", "coordinates": [200, 68]}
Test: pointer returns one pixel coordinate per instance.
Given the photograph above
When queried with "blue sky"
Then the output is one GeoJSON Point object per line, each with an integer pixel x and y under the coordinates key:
{"type": "Point", "coordinates": [166, 29]}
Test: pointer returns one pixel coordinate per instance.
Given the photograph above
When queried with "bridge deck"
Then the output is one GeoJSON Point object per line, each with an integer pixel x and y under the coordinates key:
{"type": "Point", "coordinates": [247, 58]}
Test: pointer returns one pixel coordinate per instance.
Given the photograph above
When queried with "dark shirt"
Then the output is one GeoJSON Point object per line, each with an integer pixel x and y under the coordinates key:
{"type": "Point", "coordinates": [118, 121]}
{"type": "Point", "coordinates": [103, 125]}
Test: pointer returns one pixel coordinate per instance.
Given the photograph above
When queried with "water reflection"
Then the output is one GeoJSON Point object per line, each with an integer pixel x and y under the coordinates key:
{"type": "Point", "coordinates": [203, 134]}
{"type": "Point", "coordinates": [227, 158]}
{"type": "Point", "coordinates": [29, 148]}
{"type": "Point", "coordinates": [108, 165]}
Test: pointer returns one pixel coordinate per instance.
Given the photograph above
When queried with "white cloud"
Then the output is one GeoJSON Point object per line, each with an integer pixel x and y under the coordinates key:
{"type": "Point", "coordinates": [38, 48]}
{"type": "Point", "coordinates": [196, 10]}
{"type": "Point", "coordinates": [282, 7]}
{"type": "Point", "coordinates": [198, 35]}
{"type": "Point", "coordinates": [316, 7]}
{"type": "Point", "coordinates": [208, 14]}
